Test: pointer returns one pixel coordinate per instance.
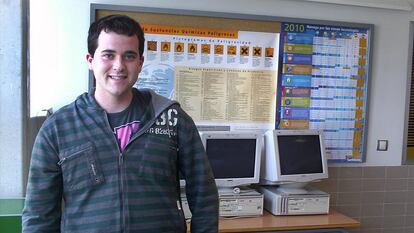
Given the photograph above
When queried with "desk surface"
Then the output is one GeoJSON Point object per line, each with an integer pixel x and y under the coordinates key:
{"type": "Point", "coordinates": [268, 222]}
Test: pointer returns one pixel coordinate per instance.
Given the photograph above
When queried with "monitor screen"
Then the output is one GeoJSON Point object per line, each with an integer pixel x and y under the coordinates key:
{"type": "Point", "coordinates": [294, 156]}
{"type": "Point", "coordinates": [299, 154]}
{"type": "Point", "coordinates": [223, 152]}
{"type": "Point", "coordinates": [234, 157]}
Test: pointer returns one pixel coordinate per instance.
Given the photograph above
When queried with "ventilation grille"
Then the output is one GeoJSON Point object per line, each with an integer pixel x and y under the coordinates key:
{"type": "Point", "coordinates": [410, 140]}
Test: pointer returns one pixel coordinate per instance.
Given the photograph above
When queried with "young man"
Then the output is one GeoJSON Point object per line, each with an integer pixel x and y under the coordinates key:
{"type": "Point", "coordinates": [113, 156]}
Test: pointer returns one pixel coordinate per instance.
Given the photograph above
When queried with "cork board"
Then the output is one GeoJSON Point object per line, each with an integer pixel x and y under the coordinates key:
{"type": "Point", "coordinates": [308, 52]}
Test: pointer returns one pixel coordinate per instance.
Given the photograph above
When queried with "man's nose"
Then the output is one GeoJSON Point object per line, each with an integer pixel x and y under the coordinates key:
{"type": "Point", "coordinates": [118, 63]}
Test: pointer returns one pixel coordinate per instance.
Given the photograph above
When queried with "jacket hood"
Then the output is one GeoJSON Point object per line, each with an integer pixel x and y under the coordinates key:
{"type": "Point", "coordinates": [159, 103]}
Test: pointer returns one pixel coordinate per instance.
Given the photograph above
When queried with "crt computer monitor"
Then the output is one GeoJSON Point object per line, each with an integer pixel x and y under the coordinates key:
{"type": "Point", "coordinates": [234, 157]}
{"type": "Point", "coordinates": [293, 158]}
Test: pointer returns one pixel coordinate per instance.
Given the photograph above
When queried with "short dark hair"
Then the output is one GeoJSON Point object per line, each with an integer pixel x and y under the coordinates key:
{"type": "Point", "coordinates": [120, 24]}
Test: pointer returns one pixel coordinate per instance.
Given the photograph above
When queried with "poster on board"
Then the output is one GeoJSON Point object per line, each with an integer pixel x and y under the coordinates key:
{"type": "Point", "coordinates": [222, 78]}
{"type": "Point", "coordinates": [323, 85]}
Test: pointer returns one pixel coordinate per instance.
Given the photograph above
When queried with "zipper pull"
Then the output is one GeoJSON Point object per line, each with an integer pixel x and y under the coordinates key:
{"type": "Point", "coordinates": [61, 161]}
{"type": "Point", "coordinates": [121, 159]}
{"type": "Point", "coordinates": [95, 175]}
{"type": "Point", "coordinates": [93, 169]}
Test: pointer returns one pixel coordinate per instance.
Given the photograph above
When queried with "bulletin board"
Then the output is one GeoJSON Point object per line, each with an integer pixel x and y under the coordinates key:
{"type": "Point", "coordinates": [254, 72]}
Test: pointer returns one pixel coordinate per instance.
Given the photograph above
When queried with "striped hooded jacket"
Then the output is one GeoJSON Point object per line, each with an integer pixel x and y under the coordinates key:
{"type": "Point", "coordinates": [76, 159]}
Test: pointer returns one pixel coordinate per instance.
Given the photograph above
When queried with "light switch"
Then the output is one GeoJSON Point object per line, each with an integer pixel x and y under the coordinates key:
{"type": "Point", "coordinates": [382, 145]}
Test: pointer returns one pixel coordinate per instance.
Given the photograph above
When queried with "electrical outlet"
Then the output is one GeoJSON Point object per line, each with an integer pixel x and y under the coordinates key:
{"type": "Point", "coordinates": [382, 145]}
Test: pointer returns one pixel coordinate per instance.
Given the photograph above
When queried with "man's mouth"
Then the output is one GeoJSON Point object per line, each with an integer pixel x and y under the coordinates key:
{"type": "Point", "coordinates": [117, 77]}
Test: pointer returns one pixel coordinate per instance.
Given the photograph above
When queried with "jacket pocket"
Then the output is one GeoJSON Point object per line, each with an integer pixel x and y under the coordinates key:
{"type": "Point", "coordinates": [159, 160]}
{"type": "Point", "coordinates": [80, 167]}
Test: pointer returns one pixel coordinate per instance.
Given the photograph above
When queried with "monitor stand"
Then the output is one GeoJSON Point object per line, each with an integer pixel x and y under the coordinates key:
{"type": "Point", "coordinates": [293, 188]}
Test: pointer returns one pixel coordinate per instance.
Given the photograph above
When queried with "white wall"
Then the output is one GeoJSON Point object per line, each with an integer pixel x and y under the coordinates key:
{"type": "Point", "coordinates": [11, 105]}
{"type": "Point", "coordinates": [59, 72]}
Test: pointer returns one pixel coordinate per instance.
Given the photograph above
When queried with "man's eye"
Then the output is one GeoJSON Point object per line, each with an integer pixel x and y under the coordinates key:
{"type": "Point", "coordinates": [108, 56]}
{"type": "Point", "coordinates": [130, 57]}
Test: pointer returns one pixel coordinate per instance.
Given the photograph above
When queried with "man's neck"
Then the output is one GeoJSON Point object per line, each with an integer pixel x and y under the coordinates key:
{"type": "Point", "coordinates": [114, 104]}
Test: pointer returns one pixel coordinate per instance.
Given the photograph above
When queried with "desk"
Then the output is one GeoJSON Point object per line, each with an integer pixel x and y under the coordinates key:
{"type": "Point", "coordinates": [268, 222]}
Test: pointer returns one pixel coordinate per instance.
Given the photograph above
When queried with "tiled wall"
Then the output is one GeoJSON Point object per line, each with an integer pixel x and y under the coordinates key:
{"type": "Point", "coordinates": [381, 198]}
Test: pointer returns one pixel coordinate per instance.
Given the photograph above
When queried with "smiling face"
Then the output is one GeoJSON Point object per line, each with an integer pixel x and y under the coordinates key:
{"type": "Point", "coordinates": [115, 65]}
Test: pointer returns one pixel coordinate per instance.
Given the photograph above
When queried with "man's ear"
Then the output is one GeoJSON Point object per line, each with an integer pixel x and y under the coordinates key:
{"type": "Point", "coordinates": [89, 59]}
{"type": "Point", "coordinates": [141, 61]}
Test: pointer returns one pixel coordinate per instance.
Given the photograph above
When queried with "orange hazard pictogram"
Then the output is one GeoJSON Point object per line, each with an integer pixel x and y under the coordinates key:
{"type": "Point", "coordinates": [244, 51]}
{"type": "Point", "coordinates": [192, 48]}
{"type": "Point", "coordinates": [179, 47]}
{"type": "Point", "coordinates": [269, 52]}
{"type": "Point", "coordinates": [218, 49]}
{"type": "Point", "coordinates": [257, 51]}
{"type": "Point", "coordinates": [152, 45]}
{"type": "Point", "coordinates": [165, 46]}
{"type": "Point", "coordinates": [205, 48]}
{"type": "Point", "coordinates": [231, 50]}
